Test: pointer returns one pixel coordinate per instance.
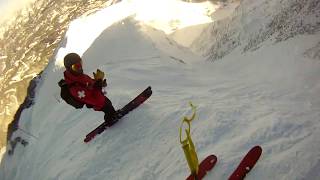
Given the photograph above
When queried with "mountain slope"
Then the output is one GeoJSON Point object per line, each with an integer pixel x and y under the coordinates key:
{"type": "Point", "coordinates": [27, 44]}
{"type": "Point", "coordinates": [254, 22]}
{"type": "Point", "coordinates": [265, 97]}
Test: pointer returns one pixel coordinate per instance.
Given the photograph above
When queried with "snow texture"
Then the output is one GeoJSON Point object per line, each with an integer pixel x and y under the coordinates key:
{"type": "Point", "coordinates": [266, 97]}
{"type": "Point", "coordinates": [254, 22]}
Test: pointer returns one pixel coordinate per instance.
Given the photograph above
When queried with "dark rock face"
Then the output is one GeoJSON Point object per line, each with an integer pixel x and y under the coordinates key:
{"type": "Point", "coordinates": [27, 103]}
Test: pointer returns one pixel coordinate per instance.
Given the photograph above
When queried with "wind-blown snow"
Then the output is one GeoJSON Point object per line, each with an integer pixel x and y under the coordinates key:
{"type": "Point", "coordinates": [266, 97]}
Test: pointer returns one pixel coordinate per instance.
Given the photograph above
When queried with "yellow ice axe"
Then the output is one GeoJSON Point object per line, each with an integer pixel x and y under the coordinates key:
{"type": "Point", "coordinates": [187, 144]}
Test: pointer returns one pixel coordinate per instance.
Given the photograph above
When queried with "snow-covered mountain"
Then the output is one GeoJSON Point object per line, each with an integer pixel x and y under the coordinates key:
{"type": "Point", "coordinates": [255, 22]}
{"type": "Point", "coordinates": [28, 41]}
{"type": "Point", "coordinates": [264, 95]}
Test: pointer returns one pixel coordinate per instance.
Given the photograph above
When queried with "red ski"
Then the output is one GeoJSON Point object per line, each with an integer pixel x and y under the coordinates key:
{"type": "Point", "coordinates": [206, 165]}
{"type": "Point", "coordinates": [246, 164]}
{"type": "Point", "coordinates": [142, 97]}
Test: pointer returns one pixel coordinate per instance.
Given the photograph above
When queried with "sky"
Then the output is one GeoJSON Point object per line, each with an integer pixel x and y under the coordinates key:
{"type": "Point", "coordinates": [2, 2]}
{"type": "Point", "coordinates": [8, 7]}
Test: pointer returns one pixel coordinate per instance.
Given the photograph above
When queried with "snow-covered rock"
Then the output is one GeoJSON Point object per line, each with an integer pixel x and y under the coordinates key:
{"type": "Point", "coordinates": [255, 22]}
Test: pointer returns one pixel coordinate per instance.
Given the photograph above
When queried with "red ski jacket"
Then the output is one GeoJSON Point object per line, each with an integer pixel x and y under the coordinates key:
{"type": "Point", "coordinates": [84, 89]}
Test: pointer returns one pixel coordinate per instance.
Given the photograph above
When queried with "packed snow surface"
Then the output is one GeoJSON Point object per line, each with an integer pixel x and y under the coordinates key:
{"type": "Point", "coordinates": [266, 97]}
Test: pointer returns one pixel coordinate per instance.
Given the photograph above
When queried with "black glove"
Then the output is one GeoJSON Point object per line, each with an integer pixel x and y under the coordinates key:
{"type": "Point", "coordinates": [104, 83]}
{"type": "Point", "coordinates": [100, 83]}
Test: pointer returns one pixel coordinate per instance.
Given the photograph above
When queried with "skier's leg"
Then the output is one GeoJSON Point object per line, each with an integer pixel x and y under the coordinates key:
{"type": "Point", "coordinates": [109, 110]}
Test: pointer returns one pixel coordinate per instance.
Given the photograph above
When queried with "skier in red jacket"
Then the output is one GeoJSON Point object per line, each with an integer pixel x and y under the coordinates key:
{"type": "Point", "coordinates": [85, 89]}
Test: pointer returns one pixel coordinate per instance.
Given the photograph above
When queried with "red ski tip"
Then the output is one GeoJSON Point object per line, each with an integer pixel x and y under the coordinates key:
{"type": "Point", "coordinates": [206, 165]}
{"type": "Point", "coordinates": [246, 164]}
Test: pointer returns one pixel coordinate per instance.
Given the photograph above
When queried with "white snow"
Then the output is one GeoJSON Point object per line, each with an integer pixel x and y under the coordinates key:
{"type": "Point", "coordinates": [193, 32]}
{"type": "Point", "coordinates": [266, 97]}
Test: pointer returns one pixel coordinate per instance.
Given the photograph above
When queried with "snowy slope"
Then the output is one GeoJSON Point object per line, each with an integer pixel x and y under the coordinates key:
{"type": "Point", "coordinates": [254, 22]}
{"type": "Point", "coordinates": [266, 97]}
{"type": "Point", "coordinates": [199, 31]}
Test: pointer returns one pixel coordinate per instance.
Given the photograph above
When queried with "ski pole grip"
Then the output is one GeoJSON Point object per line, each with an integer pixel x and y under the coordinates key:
{"type": "Point", "coordinates": [190, 154]}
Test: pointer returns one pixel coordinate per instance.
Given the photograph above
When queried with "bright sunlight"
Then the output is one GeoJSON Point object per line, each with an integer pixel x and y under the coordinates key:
{"type": "Point", "coordinates": [170, 15]}
{"type": "Point", "coordinates": [165, 15]}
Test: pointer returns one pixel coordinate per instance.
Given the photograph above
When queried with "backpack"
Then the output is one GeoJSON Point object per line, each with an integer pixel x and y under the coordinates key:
{"type": "Point", "coordinates": [67, 97]}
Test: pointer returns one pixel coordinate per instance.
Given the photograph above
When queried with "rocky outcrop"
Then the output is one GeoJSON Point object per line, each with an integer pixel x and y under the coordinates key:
{"type": "Point", "coordinates": [27, 103]}
{"type": "Point", "coordinates": [275, 20]}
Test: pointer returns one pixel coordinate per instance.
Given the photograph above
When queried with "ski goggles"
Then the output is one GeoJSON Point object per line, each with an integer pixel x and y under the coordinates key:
{"type": "Point", "coordinates": [77, 67]}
